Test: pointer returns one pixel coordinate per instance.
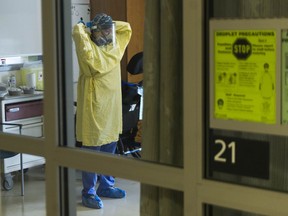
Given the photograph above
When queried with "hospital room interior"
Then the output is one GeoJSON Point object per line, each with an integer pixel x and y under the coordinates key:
{"type": "Point", "coordinates": [21, 95]}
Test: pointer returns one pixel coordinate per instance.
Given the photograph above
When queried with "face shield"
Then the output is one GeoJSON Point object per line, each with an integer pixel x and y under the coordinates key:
{"type": "Point", "coordinates": [103, 35]}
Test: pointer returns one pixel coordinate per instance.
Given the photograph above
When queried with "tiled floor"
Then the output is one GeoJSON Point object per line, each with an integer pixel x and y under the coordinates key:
{"type": "Point", "coordinates": [33, 201]}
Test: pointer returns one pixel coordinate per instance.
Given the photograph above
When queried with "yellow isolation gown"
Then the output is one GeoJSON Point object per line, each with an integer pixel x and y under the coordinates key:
{"type": "Point", "coordinates": [99, 102]}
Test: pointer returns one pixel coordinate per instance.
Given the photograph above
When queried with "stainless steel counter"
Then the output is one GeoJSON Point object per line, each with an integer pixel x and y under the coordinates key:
{"type": "Point", "coordinates": [23, 96]}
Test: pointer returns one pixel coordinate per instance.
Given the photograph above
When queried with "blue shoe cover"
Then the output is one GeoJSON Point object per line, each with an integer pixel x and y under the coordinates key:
{"type": "Point", "coordinates": [92, 201]}
{"type": "Point", "coordinates": [111, 192]}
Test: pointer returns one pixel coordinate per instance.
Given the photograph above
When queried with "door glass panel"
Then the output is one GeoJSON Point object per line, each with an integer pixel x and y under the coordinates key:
{"type": "Point", "coordinates": [21, 106]}
{"type": "Point", "coordinates": [26, 199]}
{"type": "Point", "coordinates": [213, 210]}
{"type": "Point", "coordinates": [139, 198]}
{"type": "Point", "coordinates": [246, 133]}
{"type": "Point", "coordinates": [167, 131]}
{"type": "Point", "coordinates": [21, 69]}
{"type": "Point", "coordinates": [127, 206]}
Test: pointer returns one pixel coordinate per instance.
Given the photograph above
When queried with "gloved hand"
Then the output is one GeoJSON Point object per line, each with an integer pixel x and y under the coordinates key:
{"type": "Point", "coordinates": [89, 24]}
{"type": "Point", "coordinates": [81, 21]}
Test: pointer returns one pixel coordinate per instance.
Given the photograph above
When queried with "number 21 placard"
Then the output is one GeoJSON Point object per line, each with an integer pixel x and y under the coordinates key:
{"type": "Point", "coordinates": [239, 156]}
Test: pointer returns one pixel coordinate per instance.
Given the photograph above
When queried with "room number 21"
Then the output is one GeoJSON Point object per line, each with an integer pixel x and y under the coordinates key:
{"type": "Point", "coordinates": [219, 157]}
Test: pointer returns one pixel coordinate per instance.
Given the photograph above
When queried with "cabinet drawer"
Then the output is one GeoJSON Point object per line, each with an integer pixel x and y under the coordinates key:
{"type": "Point", "coordinates": [34, 130]}
{"type": "Point", "coordinates": [23, 110]}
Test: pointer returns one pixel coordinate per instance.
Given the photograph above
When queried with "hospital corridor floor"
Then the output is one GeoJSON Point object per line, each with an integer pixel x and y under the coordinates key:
{"type": "Point", "coordinates": [33, 201]}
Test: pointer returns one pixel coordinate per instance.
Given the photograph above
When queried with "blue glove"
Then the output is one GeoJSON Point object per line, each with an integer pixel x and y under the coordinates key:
{"type": "Point", "coordinates": [89, 24]}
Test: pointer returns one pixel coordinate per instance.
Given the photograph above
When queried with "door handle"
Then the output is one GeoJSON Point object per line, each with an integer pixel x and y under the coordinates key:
{"type": "Point", "coordinates": [15, 109]}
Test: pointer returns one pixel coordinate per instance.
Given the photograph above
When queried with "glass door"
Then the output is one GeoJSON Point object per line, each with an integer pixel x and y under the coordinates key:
{"type": "Point", "coordinates": [64, 159]}
{"type": "Point", "coordinates": [244, 158]}
{"type": "Point", "coordinates": [212, 179]}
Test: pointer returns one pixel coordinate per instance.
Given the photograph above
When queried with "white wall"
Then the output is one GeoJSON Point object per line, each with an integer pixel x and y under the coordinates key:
{"type": "Point", "coordinates": [80, 1]}
{"type": "Point", "coordinates": [80, 8]}
{"type": "Point", "coordinates": [20, 24]}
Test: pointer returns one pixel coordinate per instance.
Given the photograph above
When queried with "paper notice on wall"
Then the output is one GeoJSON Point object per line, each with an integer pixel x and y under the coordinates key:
{"type": "Point", "coordinates": [244, 75]}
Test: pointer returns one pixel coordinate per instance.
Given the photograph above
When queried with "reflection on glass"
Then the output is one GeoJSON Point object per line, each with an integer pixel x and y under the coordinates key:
{"type": "Point", "coordinates": [12, 199]}
{"type": "Point", "coordinates": [127, 206]}
{"type": "Point", "coordinates": [212, 210]}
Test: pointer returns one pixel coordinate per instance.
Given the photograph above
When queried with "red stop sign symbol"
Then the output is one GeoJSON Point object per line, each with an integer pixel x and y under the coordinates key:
{"type": "Point", "coordinates": [242, 48]}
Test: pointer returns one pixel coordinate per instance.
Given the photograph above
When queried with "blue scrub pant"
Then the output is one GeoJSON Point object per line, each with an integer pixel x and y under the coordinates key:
{"type": "Point", "coordinates": [89, 179]}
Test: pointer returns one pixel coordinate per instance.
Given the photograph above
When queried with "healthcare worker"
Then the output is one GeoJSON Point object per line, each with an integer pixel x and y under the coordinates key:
{"type": "Point", "coordinates": [99, 105]}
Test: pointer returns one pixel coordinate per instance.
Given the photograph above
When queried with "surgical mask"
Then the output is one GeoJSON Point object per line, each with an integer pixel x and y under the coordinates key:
{"type": "Point", "coordinates": [103, 36]}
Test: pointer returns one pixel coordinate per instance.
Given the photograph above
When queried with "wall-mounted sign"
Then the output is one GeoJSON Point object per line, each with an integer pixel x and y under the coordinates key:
{"type": "Point", "coordinates": [284, 75]}
{"type": "Point", "coordinates": [238, 156]}
{"type": "Point", "coordinates": [244, 75]}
